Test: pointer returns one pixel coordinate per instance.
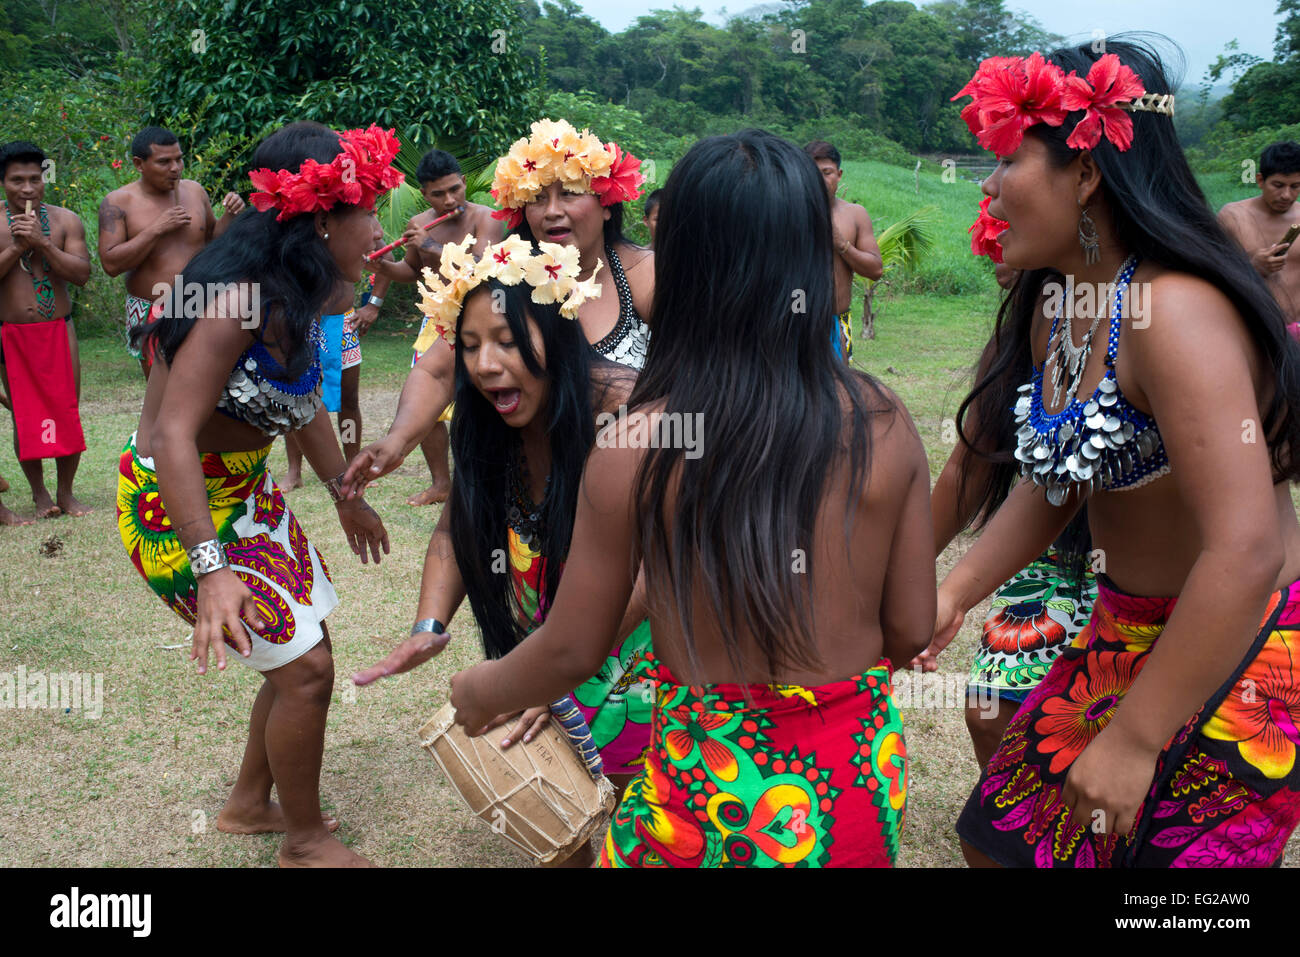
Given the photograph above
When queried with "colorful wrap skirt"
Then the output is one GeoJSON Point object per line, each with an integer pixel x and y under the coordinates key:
{"type": "Point", "coordinates": [1033, 618]}
{"type": "Point", "coordinates": [1226, 789]}
{"type": "Point", "coordinates": [264, 543]}
{"type": "Point", "coordinates": [796, 777]}
{"type": "Point", "coordinates": [617, 701]}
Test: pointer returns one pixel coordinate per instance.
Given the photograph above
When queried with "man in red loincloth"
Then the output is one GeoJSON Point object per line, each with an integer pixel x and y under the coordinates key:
{"type": "Point", "coordinates": [42, 249]}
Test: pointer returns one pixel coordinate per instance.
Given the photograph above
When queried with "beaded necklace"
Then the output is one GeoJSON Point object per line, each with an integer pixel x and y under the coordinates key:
{"type": "Point", "coordinates": [42, 287]}
{"type": "Point", "coordinates": [522, 514]}
{"type": "Point", "coordinates": [1101, 442]}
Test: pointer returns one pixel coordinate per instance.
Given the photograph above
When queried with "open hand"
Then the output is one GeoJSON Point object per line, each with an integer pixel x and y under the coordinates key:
{"type": "Point", "coordinates": [225, 603]}
{"type": "Point", "coordinates": [363, 528]}
{"type": "Point", "coordinates": [372, 462]}
{"type": "Point", "coordinates": [411, 653]}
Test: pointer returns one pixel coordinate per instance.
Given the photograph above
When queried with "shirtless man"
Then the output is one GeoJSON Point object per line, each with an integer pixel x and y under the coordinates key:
{"type": "Point", "coordinates": [855, 244]}
{"type": "Point", "coordinates": [41, 251]}
{"type": "Point", "coordinates": [443, 186]}
{"type": "Point", "coordinates": [150, 229]}
{"type": "Point", "coordinates": [1260, 223]}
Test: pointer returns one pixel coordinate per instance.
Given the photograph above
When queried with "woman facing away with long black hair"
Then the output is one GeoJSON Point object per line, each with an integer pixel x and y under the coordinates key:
{"type": "Point", "coordinates": [776, 607]}
{"type": "Point", "coordinates": [1165, 392]}
{"type": "Point", "coordinates": [198, 512]}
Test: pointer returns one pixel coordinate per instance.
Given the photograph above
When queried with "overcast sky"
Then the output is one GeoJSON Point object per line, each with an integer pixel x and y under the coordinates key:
{"type": "Point", "coordinates": [1200, 27]}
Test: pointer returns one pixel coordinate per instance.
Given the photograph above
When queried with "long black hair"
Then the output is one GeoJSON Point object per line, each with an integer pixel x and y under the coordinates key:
{"type": "Point", "coordinates": [294, 273]}
{"type": "Point", "coordinates": [483, 444]}
{"type": "Point", "coordinates": [743, 313]}
{"type": "Point", "coordinates": [1160, 215]}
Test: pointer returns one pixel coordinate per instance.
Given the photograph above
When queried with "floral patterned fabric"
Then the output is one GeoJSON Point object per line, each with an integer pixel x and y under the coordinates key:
{"type": "Point", "coordinates": [616, 701]}
{"type": "Point", "coordinates": [1033, 618]}
{"type": "Point", "coordinates": [795, 777]}
{"type": "Point", "coordinates": [1226, 790]}
{"type": "Point", "coordinates": [263, 541]}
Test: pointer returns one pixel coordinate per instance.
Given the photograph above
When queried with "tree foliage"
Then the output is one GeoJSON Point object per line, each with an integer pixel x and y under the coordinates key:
{"type": "Point", "coordinates": [432, 69]}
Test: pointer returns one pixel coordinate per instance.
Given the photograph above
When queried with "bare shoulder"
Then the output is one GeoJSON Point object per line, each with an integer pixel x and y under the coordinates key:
{"type": "Point", "coordinates": [194, 188]}
{"type": "Point", "coordinates": [611, 386]}
{"type": "Point", "coordinates": [69, 221]}
{"type": "Point", "coordinates": [636, 258]}
{"type": "Point", "coordinates": [1236, 208]}
{"type": "Point", "coordinates": [122, 197]}
{"type": "Point", "coordinates": [1184, 315]}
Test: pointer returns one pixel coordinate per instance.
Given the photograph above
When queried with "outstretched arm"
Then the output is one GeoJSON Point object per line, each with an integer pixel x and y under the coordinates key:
{"type": "Point", "coordinates": [569, 647]}
{"type": "Point", "coordinates": [429, 389]}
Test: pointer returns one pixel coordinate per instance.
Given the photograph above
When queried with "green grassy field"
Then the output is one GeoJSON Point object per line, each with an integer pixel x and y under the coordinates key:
{"type": "Point", "coordinates": [142, 784]}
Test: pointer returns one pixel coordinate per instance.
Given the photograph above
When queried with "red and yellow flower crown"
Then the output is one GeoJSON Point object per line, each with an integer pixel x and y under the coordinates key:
{"type": "Point", "coordinates": [552, 272]}
{"type": "Point", "coordinates": [557, 151]}
{"type": "Point", "coordinates": [1011, 94]}
{"type": "Point", "coordinates": [357, 176]}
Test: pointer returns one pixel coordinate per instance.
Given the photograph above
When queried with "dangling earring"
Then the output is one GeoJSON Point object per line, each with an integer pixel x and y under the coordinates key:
{"type": "Point", "coordinates": [1088, 237]}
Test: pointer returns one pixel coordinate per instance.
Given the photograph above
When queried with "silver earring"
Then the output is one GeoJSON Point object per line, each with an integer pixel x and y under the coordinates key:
{"type": "Point", "coordinates": [327, 236]}
{"type": "Point", "coordinates": [1088, 237]}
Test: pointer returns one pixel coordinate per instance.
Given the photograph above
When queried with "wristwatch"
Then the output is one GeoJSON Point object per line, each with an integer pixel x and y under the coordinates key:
{"type": "Point", "coordinates": [208, 557]}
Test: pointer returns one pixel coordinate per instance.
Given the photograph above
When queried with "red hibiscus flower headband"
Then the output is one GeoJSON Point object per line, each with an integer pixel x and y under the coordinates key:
{"type": "Point", "coordinates": [1010, 94]}
{"type": "Point", "coordinates": [357, 176]}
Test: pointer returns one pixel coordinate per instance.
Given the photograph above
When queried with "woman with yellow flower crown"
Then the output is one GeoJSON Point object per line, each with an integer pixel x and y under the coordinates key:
{"type": "Point", "coordinates": [558, 186]}
{"type": "Point", "coordinates": [528, 393]}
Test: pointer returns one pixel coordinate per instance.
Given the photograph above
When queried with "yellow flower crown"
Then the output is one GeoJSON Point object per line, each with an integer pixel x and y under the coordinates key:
{"type": "Point", "coordinates": [552, 272]}
{"type": "Point", "coordinates": [557, 151]}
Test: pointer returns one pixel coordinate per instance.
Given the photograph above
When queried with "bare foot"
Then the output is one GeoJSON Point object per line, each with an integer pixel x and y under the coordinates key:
{"type": "Point", "coordinates": [292, 481]}
{"type": "Point", "coordinates": [268, 819]}
{"type": "Point", "coordinates": [327, 852]}
{"type": "Point", "coordinates": [4, 486]}
{"type": "Point", "coordinates": [45, 507]}
{"type": "Point", "coordinates": [69, 505]}
{"type": "Point", "coordinates": [432, 495]}
{"type": "Point", "coordinates": [10, 518]}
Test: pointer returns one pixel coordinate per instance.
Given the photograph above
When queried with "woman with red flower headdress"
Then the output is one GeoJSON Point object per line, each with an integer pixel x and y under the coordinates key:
{"type": "Point", "coordinates": [1166, 393]}
{"type": "Point", "coordinates": [198, 512]}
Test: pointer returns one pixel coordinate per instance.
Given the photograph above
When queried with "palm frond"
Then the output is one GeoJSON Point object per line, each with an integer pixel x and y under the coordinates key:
{"type": "Point", "coordinates": [904, 242]}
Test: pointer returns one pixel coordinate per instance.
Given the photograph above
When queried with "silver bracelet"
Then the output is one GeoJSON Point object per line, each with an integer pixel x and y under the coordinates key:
{"type": "Point", "coordinates": [431, 625]}
{"type": "Point", "coordinates": [374, 301]}
{"type": "Point", "coordinates": [207, 557]}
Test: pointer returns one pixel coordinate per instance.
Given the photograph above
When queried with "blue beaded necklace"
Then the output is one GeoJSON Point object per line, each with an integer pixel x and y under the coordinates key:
{"type": "Point", "coordinates": [1102, 442]}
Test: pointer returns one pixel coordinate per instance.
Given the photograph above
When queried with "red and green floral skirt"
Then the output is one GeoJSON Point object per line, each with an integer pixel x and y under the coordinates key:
{"type": "Point", "coordinates": [1226, 790]}
{"type": "Point", "coordinates": [796, 777]}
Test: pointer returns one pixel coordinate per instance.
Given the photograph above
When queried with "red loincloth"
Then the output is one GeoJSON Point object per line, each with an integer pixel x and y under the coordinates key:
{"type": "Point", "coordinates": [43, 389]}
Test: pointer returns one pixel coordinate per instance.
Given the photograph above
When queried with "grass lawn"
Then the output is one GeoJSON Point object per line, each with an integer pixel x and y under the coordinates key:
{"type": "Point", "coordinates": [142, 785]}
